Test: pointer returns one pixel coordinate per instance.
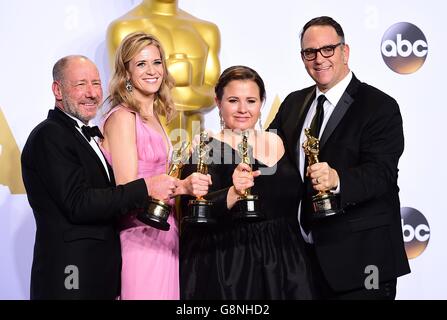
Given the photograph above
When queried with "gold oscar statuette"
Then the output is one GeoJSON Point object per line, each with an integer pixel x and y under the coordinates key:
{"type": "Point", "coordinates": [247, 205]}
{"type": "Point", "coordinates": [325, 203]}
{"type": "Point", "coordinates": [158, 211]}
{"type": "Point", "coordinates": [199, 209]}
{"type": "Point", "coordinates": [11, 171]}
{"type": "Point", "coordinates": [192, 48]}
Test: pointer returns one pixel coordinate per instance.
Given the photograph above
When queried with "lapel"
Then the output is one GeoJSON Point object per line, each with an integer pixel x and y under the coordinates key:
{"type": "Point", "coordinates": [303, 109]}
{"type": "Point", "coordinates": [109, 167]}
{"type": "Point", "coordinates": [294, 140]}
{"type": "Point", "coordinates": [340, 109]}
{"type": "Point", "coordinates": [59, 116]}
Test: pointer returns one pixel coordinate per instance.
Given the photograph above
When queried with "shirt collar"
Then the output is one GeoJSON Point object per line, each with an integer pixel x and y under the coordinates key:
{"type": "Point", "coordinates": [334, 94]}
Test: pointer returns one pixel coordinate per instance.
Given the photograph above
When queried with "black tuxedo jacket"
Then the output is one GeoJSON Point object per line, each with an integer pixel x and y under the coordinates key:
{"type": "Point", "coordinates": [363, 140]}
{"type": "Point", "coordinates": [77, 251]}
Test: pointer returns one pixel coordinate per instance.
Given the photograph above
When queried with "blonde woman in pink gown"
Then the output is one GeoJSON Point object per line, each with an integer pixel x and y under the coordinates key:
{"type": "Point", "coordinates": [136, 145]}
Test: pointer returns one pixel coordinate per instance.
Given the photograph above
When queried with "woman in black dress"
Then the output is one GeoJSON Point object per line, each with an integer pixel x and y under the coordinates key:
{"type": "Point", "coordinates": [237, 259]}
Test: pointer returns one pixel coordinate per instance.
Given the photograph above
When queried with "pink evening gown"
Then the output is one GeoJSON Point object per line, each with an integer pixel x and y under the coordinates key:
{"type": "Point", "coordinates": [150, 265]}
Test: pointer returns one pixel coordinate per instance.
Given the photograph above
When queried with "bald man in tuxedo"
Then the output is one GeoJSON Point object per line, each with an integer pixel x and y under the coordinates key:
{"type": "Point", "coordinates": [72, 192]}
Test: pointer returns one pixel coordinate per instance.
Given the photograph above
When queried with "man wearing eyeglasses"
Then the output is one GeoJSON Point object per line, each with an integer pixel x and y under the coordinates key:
{"type": "Point", "coordinates": [359, 252]}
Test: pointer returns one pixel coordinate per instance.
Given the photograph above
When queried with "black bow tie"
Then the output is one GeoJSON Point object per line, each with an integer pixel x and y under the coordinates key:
{"type": "Point", "coordinates": [90, 132]}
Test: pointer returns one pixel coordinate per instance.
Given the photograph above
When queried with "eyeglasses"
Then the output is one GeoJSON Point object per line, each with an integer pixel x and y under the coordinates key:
{"type": "Point", "coordinates": [326, 51]}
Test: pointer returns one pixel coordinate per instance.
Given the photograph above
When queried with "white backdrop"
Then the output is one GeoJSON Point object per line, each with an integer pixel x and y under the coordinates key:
{"type": "Point", "coordinates": [258, 33]}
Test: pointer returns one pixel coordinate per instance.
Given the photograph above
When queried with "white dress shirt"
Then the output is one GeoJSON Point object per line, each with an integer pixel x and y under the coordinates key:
{"type": "Point", "coordinates": [92, 143]}
{"type": "Point", "coordinates": [333, 95]}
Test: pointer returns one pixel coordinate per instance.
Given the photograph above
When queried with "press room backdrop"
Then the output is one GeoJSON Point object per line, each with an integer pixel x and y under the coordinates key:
{"type": "Point", "coordinates": [397, 46]}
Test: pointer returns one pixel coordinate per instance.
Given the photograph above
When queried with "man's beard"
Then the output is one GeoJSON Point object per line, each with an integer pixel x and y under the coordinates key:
{"type": "Point", "coordinates": [71, 109]}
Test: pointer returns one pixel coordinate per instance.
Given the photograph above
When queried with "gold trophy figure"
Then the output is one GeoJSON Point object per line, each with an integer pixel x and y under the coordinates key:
{"type": "Point", "coordinates": [191, 45]}
{"type": "Point", "coordinates": [11, 172]}
{"type": "Point", "coordinates": [200, 208]}
{"type": "Point", "coordinates": [247, 205]}
{"type": "Point", "coordinates": [158, 211]}
{"type": "Point", "coordinates": [325, 203]}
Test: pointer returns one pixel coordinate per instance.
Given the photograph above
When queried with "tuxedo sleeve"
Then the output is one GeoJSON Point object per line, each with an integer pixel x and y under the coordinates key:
{"type": "Point", "coordinates": [55, 162]}
{"type": "Point", "coordinates": [381, 146]}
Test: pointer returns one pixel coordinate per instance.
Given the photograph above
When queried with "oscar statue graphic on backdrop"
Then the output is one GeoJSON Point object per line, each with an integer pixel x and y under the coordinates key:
{"type": "Point", "coordinates": [325, 203]}
{"type": "Point", "coordinates": [158, 211]}
{"type": "Point", "coordinates": [191, 46]}
{"type": "Point", "coordinates": [10, 170]}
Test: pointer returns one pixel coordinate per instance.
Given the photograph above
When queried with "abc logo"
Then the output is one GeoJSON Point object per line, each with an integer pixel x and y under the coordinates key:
{"type": "Point", "coordinates": [416, 231]}
{"type": "Point", "coordinates": [404, 48]}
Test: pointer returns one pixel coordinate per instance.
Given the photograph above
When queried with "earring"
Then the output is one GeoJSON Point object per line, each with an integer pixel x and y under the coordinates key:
{"type": "Point", "coordinates": [222, 122]}
{"type": "Point", "coordinates": [128, 86]}
{"type": "Point", "coordinates": [260, 122]}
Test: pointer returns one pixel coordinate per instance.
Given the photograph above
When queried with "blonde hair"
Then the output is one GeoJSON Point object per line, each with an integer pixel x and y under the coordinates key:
{"type": "Point", "coordinates": [131, 45]}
